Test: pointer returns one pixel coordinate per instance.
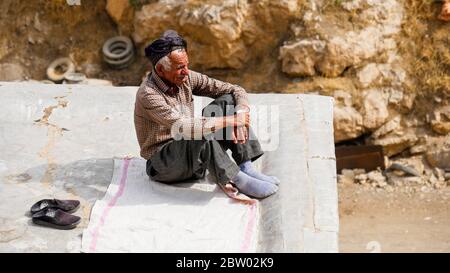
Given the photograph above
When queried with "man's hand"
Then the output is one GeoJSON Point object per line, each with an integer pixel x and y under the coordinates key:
{"type": "Point", "coordinates": [242, 108]}
{"type": "Point", "coordinates": [240, 135]}
{"type": "Point", "coordinates": [242, 119]}
{"type": "Point", "coordinates": [242, 125]}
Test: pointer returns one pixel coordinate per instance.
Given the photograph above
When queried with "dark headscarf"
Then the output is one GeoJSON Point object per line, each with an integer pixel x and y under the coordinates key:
{"type": "Point", "coordinates": [161, 47]}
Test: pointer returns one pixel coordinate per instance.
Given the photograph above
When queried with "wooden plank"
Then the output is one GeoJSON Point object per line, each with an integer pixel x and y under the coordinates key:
{"type": "Point", "coordinates": [359, 157]}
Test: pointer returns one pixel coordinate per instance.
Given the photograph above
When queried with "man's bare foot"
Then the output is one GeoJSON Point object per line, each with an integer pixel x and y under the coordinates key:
{"type": "Point", "coordinates": [233, 193]}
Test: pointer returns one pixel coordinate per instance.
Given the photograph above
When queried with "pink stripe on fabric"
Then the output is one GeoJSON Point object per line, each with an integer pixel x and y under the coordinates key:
{"type": "Point", "coordinates": [112, 203]}
{"type": "Point", "coordinates": [249, 229]}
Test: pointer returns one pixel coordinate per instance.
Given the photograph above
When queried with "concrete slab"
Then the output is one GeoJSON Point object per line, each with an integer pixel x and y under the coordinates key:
{"type": "Point", "coordinates": [59, 141]}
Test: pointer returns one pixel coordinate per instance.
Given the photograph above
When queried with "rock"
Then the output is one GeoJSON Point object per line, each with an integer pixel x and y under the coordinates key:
{"type": "Point", "coordinates": [439, 173]}
{"type": "Point", "coordinates": [441, 120]}
{"type": "Point", "coordinates": [447, 176]}
{"type": "Point", "coordinates": [122, 13]}
{"type": "Point", "coordinates": [360, 36]}
{"type": "Point", "coordinates": [220, 34]}
{"type": "Point", "coordinates": [393, 145]}
{"type": "Point", "coordinates": [342, 179]}
{"type": "Point", "coordinates": [357, 46]}
{"type": "Point", "coordinates": [400, 181]}
{"type": "Point", "coordinates": [347, 120]}
{"type": "Point", "coordinates": [74, 78]}
{"type": "Point", "coordinates": [377, 179]}
{"type": "Point", "coordinates": [12, 72]}
{"type": "Point", "coordinates": [342, 98]}
{"type": "Point", "coordinates": [388, 127]}
{"type": "Point", "coordinates": [31, 40]}
{"type": "Point", "coordinates": [91, 70]}
{"type": "Point", "coordinates": [437, 181]}
{"type": "Point", "coordinates": [375, 111]}
{"type": "Point", "coordinates": [418, 149]}
{"type": "Point", "coordinates": [299, 59]}
{"type": "Point", "coordinates": [425, 189]}
{"type": "Point", "coordinates": [417, 162]}
{"type": "Point", "coordinates": [432, 179]}
{"type": "Point", "coordinates": [414, 180]}
{"type": "Point", "coordinates": [346, 177]}
{"type": "Point", "coordinates": [361, 178]}
{"type": "Point", "coordinates": [37, 23]}
{"type": "Point", "coordinates": [439, 155]}
{"type": "Point", "coordinates": [336, 58]}
{"type": "Point", "coordinates": [389, 188]}
{"type": "Point", "coordinates": [368, 74]}
{"type": "Point", "coordinates": [374, 73]}
{"type": "Point", "coordinates": [396, 97]}
{"type": "Point", "coordinates": [408, 101]}
{"type": "Point", "coordinates": [359, 171]}
{"type": "Point", "coordinates": [347, 123]}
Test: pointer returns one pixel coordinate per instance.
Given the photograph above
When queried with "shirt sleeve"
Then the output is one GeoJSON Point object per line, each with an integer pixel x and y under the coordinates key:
{"type": "Point", "coordinates": [203, 85]}
{"type": "Point", "coordinates": [179, 121]}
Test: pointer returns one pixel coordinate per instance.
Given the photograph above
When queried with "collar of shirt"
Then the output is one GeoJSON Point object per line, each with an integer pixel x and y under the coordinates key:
{"type": "Point", "coordinates": [164, 87]}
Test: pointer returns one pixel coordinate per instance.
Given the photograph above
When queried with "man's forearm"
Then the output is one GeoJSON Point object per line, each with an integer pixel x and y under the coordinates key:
{"type": "Point", "coordinates": [223, 122]}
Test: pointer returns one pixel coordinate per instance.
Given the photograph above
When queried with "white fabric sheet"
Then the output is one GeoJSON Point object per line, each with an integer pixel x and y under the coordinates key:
{"type": "Point", "coordinates": [140, 215]}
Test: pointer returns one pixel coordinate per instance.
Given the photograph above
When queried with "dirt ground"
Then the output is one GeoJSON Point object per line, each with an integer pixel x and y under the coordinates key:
{"type": "Point", "coordinates": [381, 221]}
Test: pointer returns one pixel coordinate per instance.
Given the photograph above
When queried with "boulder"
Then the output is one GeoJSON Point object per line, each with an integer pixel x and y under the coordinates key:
{"type": "Point", "coordinates": [343, 44]}
{"type": "Point", "coordinates": [220, 34]}
{"type": "Point", "coordinates": [439, 157]}
{"type": "Point", "coordinates": [441, 120]}
{"type": "Point", "coordinates": [394, 144]}
{"type": "Point", "coordinates": [299, 59]}
{"type": "Point", "coordinates": [122, 14]}
{"type": "Point", "coordinates": [374, 111]}
{"type": "Point", "coordinates": [12, 72]}
{"type": "Point", "coordinates": [388, 127]}
{"type": "Point", "coordinates": [348, 122]}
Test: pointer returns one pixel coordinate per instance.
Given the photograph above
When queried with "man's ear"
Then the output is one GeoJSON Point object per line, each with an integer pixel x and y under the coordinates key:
{"type": "Point", "coordinates": [159, 69]}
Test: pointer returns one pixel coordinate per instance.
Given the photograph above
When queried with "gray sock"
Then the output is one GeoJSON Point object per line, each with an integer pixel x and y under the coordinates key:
{"type": "Point", "coordinates": [254, 187]}
{"type": "Point", "coordinates": [247, 167]}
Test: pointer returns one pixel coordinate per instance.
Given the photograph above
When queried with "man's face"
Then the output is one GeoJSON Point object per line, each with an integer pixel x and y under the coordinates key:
{"type": "Point", "coordinates": [179, 71]}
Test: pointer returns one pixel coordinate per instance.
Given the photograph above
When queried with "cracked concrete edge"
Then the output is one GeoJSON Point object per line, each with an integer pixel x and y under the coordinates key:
{"type": "Point", "coordinates": [322, 236]}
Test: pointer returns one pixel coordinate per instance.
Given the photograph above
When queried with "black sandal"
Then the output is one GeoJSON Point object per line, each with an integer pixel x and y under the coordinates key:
{"type": "Point", "coordinates": [69, 206]}
{"type": "Point", "coordinates": [56, 218]}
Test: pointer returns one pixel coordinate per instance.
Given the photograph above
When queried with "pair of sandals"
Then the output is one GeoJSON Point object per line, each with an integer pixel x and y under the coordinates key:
{"type": "Point", "coordinates": [56, 213]}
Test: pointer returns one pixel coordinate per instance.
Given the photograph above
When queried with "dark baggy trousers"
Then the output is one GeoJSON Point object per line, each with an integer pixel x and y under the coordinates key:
{"type": "Point", "coordinates": [180, 160]}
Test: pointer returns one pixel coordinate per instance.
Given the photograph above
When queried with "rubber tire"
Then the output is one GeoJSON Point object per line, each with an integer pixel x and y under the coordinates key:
{"type": "Point", "coordinates": [51, 69]}
{"type": "Point", "coordinates": [107, 52]}
{"type": "Point", "coordinates": [115, 63]}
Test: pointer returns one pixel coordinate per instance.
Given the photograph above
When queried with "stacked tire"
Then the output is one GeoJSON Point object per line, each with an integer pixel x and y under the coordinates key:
{"type": "Point", "coordinates": [118, 52]}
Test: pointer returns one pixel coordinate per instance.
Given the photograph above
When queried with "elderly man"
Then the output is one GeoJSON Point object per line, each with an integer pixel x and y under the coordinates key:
{"type": "Point", "coordinates": [179, 146]}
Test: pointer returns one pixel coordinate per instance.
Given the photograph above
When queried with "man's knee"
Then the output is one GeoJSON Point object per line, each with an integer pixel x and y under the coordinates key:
{"type": "Point", "coordinates": [222, 106]}
{"type": "Point", "coordinates": [227, 98]}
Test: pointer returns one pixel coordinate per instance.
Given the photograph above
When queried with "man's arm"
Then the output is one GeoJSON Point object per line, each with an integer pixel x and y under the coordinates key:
{"type": "Point", "coordinates": [203, 85]}
{"type": "Point", "coordinates": [160, 112]}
